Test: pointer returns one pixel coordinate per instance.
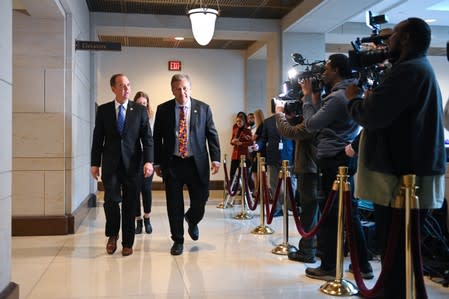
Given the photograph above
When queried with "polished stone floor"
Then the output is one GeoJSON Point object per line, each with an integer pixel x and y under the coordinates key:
{"type": "Point", "coordinates": [228, 261]}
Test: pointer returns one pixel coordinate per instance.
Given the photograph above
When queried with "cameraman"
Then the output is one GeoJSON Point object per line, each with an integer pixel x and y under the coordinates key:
{"type": "Point", "coordinates": [403, 134]}
{"type": "Point", "coordinates": [305, 169]}
{"type": "Point", "coordinates": [335, 129]}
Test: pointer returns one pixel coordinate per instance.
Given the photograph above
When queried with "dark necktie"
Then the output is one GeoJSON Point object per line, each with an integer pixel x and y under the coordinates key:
{"type": "Point", "coordinates": [121, 119]}
{"type": "Point", "coordinates": [182, 134]}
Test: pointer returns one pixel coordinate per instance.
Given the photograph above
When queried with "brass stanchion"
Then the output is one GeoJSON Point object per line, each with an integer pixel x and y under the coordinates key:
{"type": "Point", "coordinates": [340, 286]}
{"type": "Point", "coordinates": [411, 202]}
{"type": "Point", "coordinates": [243, 215]}
{"type": "Point", "coordinates": [225, 204]}
{"type": "Point", "coordinates": [284, 248]}
{"type": "Point", "coordinates": [262, 229]}
{"type": "Point", "coordinates": [408, 200]}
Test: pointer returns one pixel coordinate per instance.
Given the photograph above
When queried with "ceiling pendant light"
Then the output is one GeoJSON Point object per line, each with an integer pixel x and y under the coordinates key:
{"type": "Point", "coordinates": [203, 23]}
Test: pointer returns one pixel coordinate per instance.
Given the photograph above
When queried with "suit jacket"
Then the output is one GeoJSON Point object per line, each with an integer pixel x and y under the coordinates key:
{"type": "Point", "coordinates": [202, 132]}
{"type": "Point", "coordinates": [108, 147]}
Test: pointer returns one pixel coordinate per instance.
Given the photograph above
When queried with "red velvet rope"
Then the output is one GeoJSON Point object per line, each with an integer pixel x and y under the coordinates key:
{"type": "Point", "coordinates": [397, 221]}
{"type": "Point", "coordinates": [266, 193]}
{"type": "Point", "coordinates": [270, 213]}
{"type": "Point", "coordinates": [417, 256]}
{"type": "Point", "coordinates": [252, 205]}
{"type": "Point", "coordinates": [325, 212]}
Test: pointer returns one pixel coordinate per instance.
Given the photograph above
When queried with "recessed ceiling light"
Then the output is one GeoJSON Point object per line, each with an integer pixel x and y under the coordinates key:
{"type": "Point", "coordinates": [179, 38]}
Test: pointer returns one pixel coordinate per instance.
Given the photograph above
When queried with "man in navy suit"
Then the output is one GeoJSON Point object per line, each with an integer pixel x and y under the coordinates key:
{"type": "Point", "coordinates": [121, 138]}
{"type": "Point", "coordinates": [185, 161]}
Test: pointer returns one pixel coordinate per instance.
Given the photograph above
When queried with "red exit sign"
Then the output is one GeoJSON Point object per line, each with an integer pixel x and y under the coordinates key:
{"type": "Point", "coordinates": [174, 65]}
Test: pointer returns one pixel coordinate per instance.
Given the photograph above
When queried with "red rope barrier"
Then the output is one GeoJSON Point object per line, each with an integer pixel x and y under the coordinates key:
{"type": "Point", "coordinates": [252, 205]}
{"type": "Point", "coordinates": [417, 256]}
{"type": "Point", "coordinates": [325, 212]}
{"type": "Point", "coordinates": [270, 213]}
{"type": "Point", "coordinates": [267, 194]}
{"type": "Point", "coordinates": [386, 261]}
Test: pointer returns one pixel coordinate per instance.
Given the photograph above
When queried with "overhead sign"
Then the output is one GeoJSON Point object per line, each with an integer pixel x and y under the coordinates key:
{"type": "Point", "coordinates": [97, 46]}
{"type": "Point", "coordinates": [174, 65]}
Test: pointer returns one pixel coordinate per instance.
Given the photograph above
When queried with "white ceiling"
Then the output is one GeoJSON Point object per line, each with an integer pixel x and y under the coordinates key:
{"type": "Point", "coordinates": [344, 20]}
{"type": "Point", "coordinates": [398, 10]}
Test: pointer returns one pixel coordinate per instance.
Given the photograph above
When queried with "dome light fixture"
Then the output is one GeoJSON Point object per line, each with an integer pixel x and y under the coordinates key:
{"type": "Point", "coordinates": [203, 23]}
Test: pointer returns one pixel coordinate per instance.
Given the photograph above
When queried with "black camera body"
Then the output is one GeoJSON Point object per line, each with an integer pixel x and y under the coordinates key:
{"type": "Point", "coordinates": [291, 90]}
{"type": "Point", "coordinates": [290, 98]}
{"type": "Point", "coordinates": [368, 63]}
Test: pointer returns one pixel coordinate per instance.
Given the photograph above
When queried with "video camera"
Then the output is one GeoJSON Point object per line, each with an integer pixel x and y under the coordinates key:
{"type": "Point", "coordinates": [369, 53]}
{"type": "Point", "coordinates": [291, 90]}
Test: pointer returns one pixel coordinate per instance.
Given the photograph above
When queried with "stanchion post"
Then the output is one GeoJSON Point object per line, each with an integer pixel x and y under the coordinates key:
{"type": "Point", "coordinates": [225, 203]}
{"type": "Point", "coordinates": [262, 229]}
{"type": "Point", "coordinates": [225, 189]}
{"type": "Point", "coordinates": [340, 286]}
{"type": "Point", "coordinates": [411, 202]}
{"type": "Point", "coordinates": [284, 248]}
{"type": "Point", "coordinates": [243, 215]}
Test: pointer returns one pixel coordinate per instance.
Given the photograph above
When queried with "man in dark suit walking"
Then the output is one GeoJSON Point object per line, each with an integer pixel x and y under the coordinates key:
{"type": "Point", "coordinates": [121, 139]}
{"type": "Point", "coordinates": [182, 129]}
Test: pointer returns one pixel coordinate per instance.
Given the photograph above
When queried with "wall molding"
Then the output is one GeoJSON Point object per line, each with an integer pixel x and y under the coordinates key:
{"type": "Point", "coordinates": [53, 225]}
{"type": "Point", "coordinates": [10, 292]}
{"type": "Point", "coordinates": [213, 185]}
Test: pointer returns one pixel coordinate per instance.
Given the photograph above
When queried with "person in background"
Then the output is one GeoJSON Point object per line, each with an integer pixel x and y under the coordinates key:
{"type": "Point", "coordinates": [185, 138]}
{"type": "Point", "coordinates": [252, 122]}
{"type": "Point", "coordinates": [121, 142]}
{"type": "Point", "coordinates": [403, 134]}
{"type": "Point", "coordinates": [277, 149]}
{"type": "Point", "coordinates": [258, 120]}
{"type": "Point", "coordinates": [147, 182]}
{"type": "Point", "coordinates": [240, 140]}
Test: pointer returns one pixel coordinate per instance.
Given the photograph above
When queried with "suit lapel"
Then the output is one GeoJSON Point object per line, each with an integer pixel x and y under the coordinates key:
{"type": "Point", "coordinates": [171, 115]}
{"type": "Point", "coordinates": [193, 114]}
{"type": "Point", "coordinates": [113, 116]}
{"type": "Point", "coordinates": [130, 113]}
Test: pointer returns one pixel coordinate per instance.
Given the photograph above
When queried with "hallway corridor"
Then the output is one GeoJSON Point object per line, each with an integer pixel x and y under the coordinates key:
{"type": "Point", "coordinates": [226, 262]}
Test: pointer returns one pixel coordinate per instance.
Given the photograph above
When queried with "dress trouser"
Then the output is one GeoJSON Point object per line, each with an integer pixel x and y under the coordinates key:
{"type": "Point", "coordinates": [184, 172]}
{"type": "Point", "coordinates": [147, 197]}
{"type": "Point", "coordinates": [118, 187]}
{"type": "Point", "coordinates": [327, 234]}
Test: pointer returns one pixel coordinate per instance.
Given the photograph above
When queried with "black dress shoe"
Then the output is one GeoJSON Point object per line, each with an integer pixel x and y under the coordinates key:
{"type": "Point", "coordinates": [193, 230]}
{"type": "Point", "coordinates": [147, 224]}
{"type": "Point", "coordinates": [320, 273]}
{"type": "Point", "coordinates": [176, 249]}
{"type": "Point", "coordinates": [139, 225]}
{"type": "Point", "coordinates": [299, 256]}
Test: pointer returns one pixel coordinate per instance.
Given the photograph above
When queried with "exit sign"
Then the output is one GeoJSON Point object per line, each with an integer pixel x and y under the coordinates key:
{"type": "Point", "coordinates": [174, 65]}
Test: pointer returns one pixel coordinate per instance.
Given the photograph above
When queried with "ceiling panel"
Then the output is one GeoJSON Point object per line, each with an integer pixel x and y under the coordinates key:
{"type": "Point", "coordinates": [259, 9]}
{"type": "Point", "coordinates": [256, 9]}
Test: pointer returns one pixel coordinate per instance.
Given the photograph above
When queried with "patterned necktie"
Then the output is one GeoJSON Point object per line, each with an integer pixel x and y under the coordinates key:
{"type": "Point", "coordinates": [182, 134]}
{"type": "Point", "coordinates": [121, 119]}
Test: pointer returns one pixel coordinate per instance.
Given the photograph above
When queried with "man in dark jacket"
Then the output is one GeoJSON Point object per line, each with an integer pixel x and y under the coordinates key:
{"type": "Point", "coordinates": [185, 138]}
{"type": "Point", "coordinates": [403, 134]}
{"type": "Point", "coordinates": [122, 133]}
